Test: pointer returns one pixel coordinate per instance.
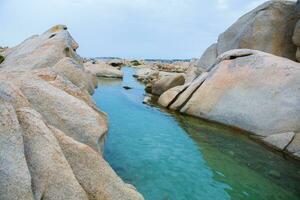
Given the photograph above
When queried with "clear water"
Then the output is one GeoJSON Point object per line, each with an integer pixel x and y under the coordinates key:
{"type": "Point", "coordinates": [171, 157]}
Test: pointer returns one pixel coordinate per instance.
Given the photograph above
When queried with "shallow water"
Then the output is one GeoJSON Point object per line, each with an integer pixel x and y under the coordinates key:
{"type": "Point", "coordinates": [170, 156]}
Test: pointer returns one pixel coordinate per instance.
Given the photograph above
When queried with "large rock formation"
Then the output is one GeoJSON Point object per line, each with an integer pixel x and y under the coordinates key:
{"type": "Point", "coordinates": [15, 179]}
{"type": "Point", "coordinates": [248, 89]}
{"type": "Point", "coordinates": [51, 132]}
{"type": "Point", "coordinates": [267, 28]}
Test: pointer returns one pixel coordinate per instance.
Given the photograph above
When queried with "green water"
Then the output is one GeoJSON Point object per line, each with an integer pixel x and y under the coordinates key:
{"type": "Point", "coordinates": [172, 157]}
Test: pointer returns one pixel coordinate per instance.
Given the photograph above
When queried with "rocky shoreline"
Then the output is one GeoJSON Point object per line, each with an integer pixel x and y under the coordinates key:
{"type": "Point", "coordinates": [52, 133]}
{"type": "Point", "coordinates": [51, 130]}
{"type": "Point", "coordinates": [249, 79]}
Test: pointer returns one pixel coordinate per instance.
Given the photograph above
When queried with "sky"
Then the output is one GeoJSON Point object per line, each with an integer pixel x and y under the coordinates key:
{"type": "Point", "coordinates": [134, 29]}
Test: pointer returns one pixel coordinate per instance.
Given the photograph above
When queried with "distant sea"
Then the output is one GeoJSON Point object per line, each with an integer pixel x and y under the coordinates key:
{"type": "Point", "coordinates": [149, 60]}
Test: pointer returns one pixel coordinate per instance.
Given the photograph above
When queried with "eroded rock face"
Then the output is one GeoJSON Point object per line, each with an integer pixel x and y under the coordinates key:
{"type": "Point", "coordinates": [268, 28]}
{"type": "Point", "coordinates": [188, 92]}
{"type": "Point", "coordinates": [75, 72]}
{"type": "Point", "coordinates": [15, 179]}
{"type": "Point", "coordinates": [41, 51]}
{"type": "Point", "coordinates": [65, 111]}
{"type": "Point", "coordinates": [166, 83]}
{"type": "Point", "coordinates": [51, 131]}
{"type": "Point", "coordinates": [92, 171]}
{"type": "Point", "coordinates": [169, 96]}
{"type": "Point", "coordinates": [52, 176]}
{"type": "Point", "coordinates": [252, 90]}
{"type": "Point", "coordinates": [248, 89]}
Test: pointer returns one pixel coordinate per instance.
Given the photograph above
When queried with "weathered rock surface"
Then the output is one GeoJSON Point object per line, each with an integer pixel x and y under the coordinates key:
{"type": "Point", "coordinates": [208, 58]}
{"type": "Point", "coordinates": [248, 89]}
{"type": "Point", "coordinates": [103, 70]}
{"type": "Point", "coordinates": [147, 75]}
{"type": "Point", "coordinates": [66, 112]}
{"type": "Point", "coordinates": [294, 147]}
{"type": "Point", "coordinates": [170, 95]}
{"type": "Point", "coordinates": [252, 90]}
{"type": "Point", "coordinates": [52, 176]}
{"type": "Point", "coordinates": [151, 72]}
{"type": "Point", "coordinates": [186, 95]}
{"type": "Point", "coordinates": [92, 172]}
{"type": "Point", "coordinates": [166, 83]}
{"type": "Point", "coordinates": [268, 28]}
{"type": "Point", "coordinates": [41, 51]}
{"type": "Point", "coordinates": [279, 141]}
{"type": "Point", "coordinates": [15, 179]}
{"type": "Point", "coordinates": [51, 131]}
{"type": "Point", "coordinates": [75, 73]}
{"type": "Point", "coordinates": [58, 81]}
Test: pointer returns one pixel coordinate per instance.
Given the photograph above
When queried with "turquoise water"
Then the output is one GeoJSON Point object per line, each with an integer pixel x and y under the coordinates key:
{"type": "Point", "coordinates": [173, 157]}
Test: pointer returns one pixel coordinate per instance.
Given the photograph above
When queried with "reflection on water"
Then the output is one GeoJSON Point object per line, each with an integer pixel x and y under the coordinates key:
{"type": "Point", "coordinates": [170, 156]}
{"type": "Point", "coordinates": [256, 172]}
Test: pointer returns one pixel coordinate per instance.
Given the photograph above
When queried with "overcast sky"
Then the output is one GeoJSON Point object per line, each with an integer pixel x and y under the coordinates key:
{"type": "Point", "coordinates": [125, 28]}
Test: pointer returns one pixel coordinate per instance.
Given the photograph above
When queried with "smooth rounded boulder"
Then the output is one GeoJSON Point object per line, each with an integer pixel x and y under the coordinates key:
{"type": "Point", "coordinates": [252, 90]}
{"type": "Point", "coordinates": [268, 28]}
{"type": "Point", "coordinates": [166, 83]}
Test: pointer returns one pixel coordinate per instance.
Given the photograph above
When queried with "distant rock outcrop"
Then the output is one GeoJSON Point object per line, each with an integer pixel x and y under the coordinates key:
{"type": "Point", "coordinates": [101, 69]}
{"type": "Point", "coordinates": [51, 132]}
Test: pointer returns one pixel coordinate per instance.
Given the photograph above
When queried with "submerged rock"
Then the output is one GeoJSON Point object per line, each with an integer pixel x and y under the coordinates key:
{"type": "Point", "coordinates": [127, 87]}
